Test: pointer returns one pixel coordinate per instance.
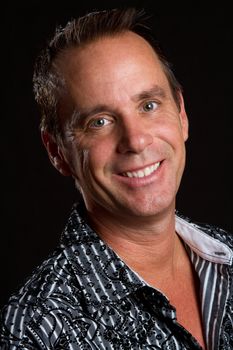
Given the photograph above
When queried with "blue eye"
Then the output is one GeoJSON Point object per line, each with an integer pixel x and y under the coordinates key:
{"type": "Point", "coordinates": [150, 106]}
{"type": "Point", "coordinates": [99, 123]}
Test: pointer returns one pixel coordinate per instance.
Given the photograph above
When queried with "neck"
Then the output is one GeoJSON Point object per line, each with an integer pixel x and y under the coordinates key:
{"type": "Point", "coordinates": [145, 246]}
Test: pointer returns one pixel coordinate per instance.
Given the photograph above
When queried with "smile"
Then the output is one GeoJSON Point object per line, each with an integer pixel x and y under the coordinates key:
{"type": "Point", "coordinates": [142, 172]}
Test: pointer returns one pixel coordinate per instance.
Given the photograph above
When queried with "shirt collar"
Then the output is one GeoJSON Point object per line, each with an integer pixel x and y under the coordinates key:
{"type": "Point", "coordinates": [202, 243]}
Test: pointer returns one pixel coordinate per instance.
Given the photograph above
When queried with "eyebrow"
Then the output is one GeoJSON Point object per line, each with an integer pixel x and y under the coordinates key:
{"type": "Point", "coordinates": [77, 115]}
{"type": "Point", "coordinates": [155, 91]}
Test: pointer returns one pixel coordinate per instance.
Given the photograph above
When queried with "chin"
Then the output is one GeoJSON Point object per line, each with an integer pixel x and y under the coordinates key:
{"type": "Point", "coordinates": [148, 208]}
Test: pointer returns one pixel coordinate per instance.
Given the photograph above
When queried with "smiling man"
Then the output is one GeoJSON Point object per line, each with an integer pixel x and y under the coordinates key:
{"type": "Point", "coordinates": [130, 273]}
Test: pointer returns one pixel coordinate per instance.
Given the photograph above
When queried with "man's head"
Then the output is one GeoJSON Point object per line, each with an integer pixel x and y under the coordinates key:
{"type": "Point", "coordinates": [49, 84]}
{"type": "Point", "coordinates": [120, 123]}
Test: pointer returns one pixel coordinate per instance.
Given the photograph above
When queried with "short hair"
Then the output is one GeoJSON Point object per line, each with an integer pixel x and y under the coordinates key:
{"type": "Point", "coordinates": [48, 84]}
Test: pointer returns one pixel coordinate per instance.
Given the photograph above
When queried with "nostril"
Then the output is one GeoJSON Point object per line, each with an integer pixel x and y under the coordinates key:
{"type": "Point", "coordinates": [134, 143]}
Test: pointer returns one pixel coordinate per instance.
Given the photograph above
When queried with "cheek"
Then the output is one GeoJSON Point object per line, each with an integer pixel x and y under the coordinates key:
{"type": "Point", "coordinates": [95, 159]}
{"type": "Point", "coordinates": [170, 133]}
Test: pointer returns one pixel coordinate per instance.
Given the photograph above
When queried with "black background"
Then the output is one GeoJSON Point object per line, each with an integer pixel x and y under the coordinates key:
{"type": "Point", "coordinates": [36, 199]}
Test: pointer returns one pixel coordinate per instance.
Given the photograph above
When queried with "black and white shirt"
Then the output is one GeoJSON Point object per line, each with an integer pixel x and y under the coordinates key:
{"type": "Point", "coordinates": [85, 297]}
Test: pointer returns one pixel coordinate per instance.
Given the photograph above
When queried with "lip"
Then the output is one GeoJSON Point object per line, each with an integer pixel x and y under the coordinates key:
{"type": "Point", "coordinates": [140, 181]}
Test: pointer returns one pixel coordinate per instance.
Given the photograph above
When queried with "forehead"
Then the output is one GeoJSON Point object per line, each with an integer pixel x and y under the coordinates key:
{"type": "Point", "coordinates": [124, 62]}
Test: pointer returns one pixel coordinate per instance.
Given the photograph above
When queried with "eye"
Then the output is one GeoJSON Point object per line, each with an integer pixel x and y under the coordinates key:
{"type": "Point", "coordinates": [150, 106]}
{"type": "Point", "coordinates": [99, 122]}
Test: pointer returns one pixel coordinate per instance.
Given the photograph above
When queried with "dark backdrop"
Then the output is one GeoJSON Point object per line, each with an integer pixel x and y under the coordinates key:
{"type": "Point", "coordinates": [36, 199]}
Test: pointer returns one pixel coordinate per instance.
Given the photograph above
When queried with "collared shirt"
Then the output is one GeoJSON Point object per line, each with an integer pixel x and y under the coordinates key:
{"type": "Point", "coordinates": [85, 297]}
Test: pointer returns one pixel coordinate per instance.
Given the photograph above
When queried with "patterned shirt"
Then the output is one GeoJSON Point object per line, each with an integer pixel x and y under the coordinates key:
{"type": "Point", "coordinates": [85, 297]}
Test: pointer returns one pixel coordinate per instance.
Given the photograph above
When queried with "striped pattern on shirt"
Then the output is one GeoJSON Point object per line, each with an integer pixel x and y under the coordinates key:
{"type": "Point", "coordinates": [85, 297]}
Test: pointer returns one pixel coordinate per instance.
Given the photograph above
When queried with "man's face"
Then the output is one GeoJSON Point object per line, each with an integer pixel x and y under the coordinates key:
{"type": "Point", "coordinates": [125, 144]}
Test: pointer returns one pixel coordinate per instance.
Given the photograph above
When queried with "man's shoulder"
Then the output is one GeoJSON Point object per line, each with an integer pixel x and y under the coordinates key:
{"type": "Point", "coordinates": [50, 291]}
{"type": "Point", "coordinates": [51, 277]}
{"type": "Point", "coordinates": [53, 284]}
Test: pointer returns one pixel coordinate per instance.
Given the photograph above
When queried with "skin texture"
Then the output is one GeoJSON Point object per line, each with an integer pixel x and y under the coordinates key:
{"type": "Point", "coordinates": [119, 117]}
{"type": "Point", "coordinates": [122, 81]}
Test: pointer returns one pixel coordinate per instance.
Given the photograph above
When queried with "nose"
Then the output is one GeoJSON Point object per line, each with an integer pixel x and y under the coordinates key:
{"type": "Point", "coordinates": [134, 138]}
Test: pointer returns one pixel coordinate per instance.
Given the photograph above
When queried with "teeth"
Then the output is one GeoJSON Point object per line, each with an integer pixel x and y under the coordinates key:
{"type": "Point", "coordinates": [143, 172]}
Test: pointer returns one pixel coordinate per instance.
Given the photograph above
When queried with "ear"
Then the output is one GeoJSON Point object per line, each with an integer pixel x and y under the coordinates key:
{"type": "Point", "coordinates": [55, 153]}
{"type": "Point", "coordinates": [183, 118]}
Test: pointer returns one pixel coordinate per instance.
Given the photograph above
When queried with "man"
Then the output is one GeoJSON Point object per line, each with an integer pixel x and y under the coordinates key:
{"type": "Point", "coordinates": [130, 273]}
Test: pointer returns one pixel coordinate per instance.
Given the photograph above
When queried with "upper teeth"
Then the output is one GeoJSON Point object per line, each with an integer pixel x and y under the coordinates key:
{"type": "Point", "coordinates": [143, 172]}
